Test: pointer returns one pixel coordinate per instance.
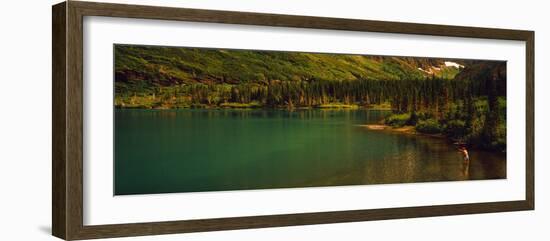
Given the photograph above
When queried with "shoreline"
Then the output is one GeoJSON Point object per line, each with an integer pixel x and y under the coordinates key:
{"type": "Point", "coordinates": [120, 104]}
{"type": "Point", "coordinates": [409, 130]}
{"type": "Point", "coordinates": [256, 108]}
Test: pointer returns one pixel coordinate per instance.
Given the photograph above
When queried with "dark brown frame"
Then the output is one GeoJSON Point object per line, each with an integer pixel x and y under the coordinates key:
{"type": "Point", "coordinates": [67, 123]}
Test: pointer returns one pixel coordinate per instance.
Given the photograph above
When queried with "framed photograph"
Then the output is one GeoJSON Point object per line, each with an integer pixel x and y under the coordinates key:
{"type": "Point", "coordinates": [171, 120]}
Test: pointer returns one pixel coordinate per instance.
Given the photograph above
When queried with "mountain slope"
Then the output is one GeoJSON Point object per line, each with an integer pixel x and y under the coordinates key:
{"type": "Point", "coordinates": [165, 66]}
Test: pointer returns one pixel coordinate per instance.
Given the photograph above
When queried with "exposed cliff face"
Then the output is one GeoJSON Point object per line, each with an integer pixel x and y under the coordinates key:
{"type": "Point", "coordinates": [482, 71]}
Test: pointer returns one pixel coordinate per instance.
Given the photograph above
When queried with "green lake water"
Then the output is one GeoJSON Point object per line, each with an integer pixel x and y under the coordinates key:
{"type": "Point", "coordinates": [192, 150]}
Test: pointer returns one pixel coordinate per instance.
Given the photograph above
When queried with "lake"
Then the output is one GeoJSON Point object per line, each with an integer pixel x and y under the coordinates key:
{"type": "Point", "coordinates": [192, 150]}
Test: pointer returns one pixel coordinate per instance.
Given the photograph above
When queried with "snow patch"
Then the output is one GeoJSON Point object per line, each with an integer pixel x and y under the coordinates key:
{"type": "Point", "coordinates": [453, 64]}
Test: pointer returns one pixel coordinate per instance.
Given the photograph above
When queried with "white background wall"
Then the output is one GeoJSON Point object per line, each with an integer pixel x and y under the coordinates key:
{"type": "Point", "coordinates": [25, 120]}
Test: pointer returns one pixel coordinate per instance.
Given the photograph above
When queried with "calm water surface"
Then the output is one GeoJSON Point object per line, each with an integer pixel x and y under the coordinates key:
{"type": "Point", "coordinates": [161, 151]}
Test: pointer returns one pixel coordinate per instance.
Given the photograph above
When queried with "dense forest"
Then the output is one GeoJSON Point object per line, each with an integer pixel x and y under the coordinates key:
{"type": "Point", "coordinates": [462, 99]}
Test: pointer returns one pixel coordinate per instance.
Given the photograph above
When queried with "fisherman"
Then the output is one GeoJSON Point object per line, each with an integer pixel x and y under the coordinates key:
{"type": "Point", "coordinates": [464, 152]}
{"type": "Point", "coordinates": [465, 158]}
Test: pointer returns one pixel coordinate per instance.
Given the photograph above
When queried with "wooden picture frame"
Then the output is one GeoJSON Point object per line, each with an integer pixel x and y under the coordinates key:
{"type": "Point", "coordinates": [67, 152]}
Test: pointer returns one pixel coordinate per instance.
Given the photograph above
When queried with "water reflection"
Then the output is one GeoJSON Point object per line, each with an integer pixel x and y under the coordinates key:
{"type": "Point", "coordinates": [160, 151]}
{"type": "Point", "coordinates": [466, 169]}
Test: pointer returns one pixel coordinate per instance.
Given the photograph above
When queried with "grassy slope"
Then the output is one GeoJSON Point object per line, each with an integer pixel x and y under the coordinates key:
{"type": "Point", "coordinates": [139, 68]}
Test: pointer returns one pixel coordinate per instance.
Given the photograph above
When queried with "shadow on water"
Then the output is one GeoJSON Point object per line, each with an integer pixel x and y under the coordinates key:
{"type": "Point", "coordinates": [159, 151]}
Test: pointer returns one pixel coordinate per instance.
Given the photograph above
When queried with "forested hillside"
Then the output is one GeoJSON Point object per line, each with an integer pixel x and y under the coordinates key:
{"type": "Point", "coordinates": [464, 99]}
